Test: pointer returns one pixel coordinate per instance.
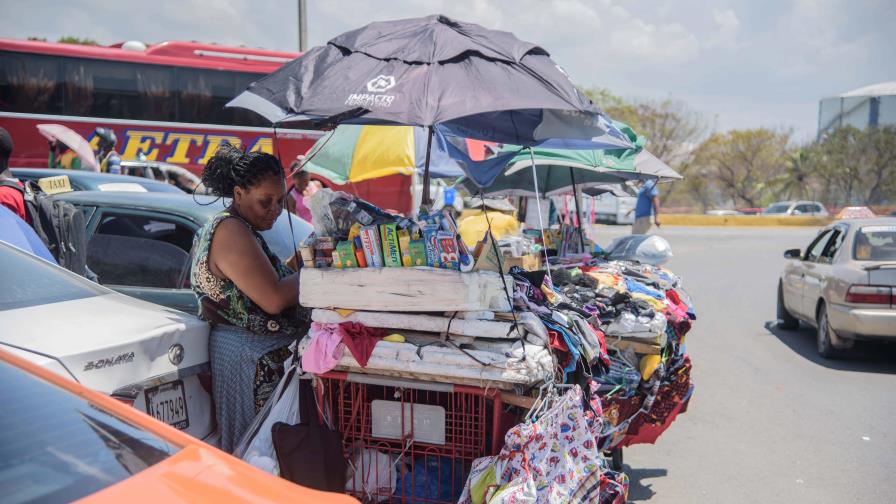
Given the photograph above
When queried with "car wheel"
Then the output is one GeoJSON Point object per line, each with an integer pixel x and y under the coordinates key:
{"type": "Point", "coordinates": [823, 335]}
{"type": "Point", "coordinates": [785, 319]}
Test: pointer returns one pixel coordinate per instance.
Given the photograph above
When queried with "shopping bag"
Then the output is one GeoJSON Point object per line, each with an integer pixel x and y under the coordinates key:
{"type": "Point", "coordinates": [309, 453]}
{"type": "Point", "coordinates": [256, 447]}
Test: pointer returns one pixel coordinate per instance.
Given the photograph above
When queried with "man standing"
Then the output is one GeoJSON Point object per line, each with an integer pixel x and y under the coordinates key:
{"type": "Point", "coordinates": [647, 208]}
{"type": "Point", "coordinates": [12, 192]}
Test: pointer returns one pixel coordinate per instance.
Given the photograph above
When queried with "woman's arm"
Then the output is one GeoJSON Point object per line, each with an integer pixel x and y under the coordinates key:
{"type": "Point", "coordinates": [235, 254]}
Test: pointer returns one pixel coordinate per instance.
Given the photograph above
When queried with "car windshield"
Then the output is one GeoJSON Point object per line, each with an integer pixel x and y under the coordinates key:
{"type": "Point", "coordinates": [777, 208]}
{"type": "Point", "coordinates": [30, 281]}
{"type": "Point", "coordinates": [57, 447]}
{"type": "Point", "coordinates": [278, 237]}
{"type": "Point", "coordinates": [875, 243]}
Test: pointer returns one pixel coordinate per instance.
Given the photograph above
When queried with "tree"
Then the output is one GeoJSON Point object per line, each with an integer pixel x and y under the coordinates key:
{"type": "Point", "coordinates": [69, 39]}
{"type": "Point", "coordinates": [743, 162]}
{"type": "Point", "coordinates": [857, 166]}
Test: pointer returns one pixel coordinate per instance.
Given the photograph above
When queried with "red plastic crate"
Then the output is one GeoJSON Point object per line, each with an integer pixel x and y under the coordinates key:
{"type": "Point", "coordinates": [425, 472]}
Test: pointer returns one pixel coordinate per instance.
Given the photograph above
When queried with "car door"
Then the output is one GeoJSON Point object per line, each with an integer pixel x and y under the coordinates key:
{"type": "Point", "coordinates": [143, 254]}
{"type": "Point", "coordinates": [814, 270]}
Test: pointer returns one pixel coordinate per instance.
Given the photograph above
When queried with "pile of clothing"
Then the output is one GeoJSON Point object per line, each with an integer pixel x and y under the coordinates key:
{"type": "Point", "coordinates": [644, 315]}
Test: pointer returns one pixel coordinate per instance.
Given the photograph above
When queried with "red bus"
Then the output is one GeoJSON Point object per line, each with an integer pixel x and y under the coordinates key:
{"type": "Point", "coordinates": [164, 101]}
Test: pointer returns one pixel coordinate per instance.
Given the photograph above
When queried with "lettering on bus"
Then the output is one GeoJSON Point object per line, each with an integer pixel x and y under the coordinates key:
{"type": "Point", "coordinates": [181, 148]}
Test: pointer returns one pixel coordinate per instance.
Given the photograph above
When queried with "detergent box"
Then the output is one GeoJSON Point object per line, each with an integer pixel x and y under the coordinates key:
{"type": "Point", "coordinates": [344, 255]}
{"type": "Point", "coordinates": [417, 253]}
{"type": "Point", "coordinates": [391, 249]}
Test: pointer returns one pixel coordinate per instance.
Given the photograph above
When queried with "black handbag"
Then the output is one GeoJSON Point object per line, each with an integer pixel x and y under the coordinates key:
{"type": "Point", "coordinates": [309, 453]}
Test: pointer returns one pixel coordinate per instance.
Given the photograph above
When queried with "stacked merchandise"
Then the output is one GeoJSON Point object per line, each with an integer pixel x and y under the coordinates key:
{"type": "Point", "coordinates": [645, 316]}
{"type": "Point", "coordinates": [409, 359]}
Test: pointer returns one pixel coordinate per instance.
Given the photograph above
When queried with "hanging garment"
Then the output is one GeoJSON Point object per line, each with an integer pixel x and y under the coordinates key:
{"type": "Point", "coordinates": [360, 340]}
{"type": "Point", "coordinates": [552, 457]}
{"type": "Point", "coordinates": [325, 349]}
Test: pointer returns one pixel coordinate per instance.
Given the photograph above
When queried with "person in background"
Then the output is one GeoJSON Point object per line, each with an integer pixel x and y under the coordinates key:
{"type": "Point", "coordinates": [647, 208]}
{"type": "Point", "coordinates": [498, 211]}
{"type": "Point", "coordinates": [245, 292]}
{"type": "Point", "coordinates": [301, 180]}
{"type": "Point", "coordinates": [12, 192]}
{"type": "Point", "coordinates": [61, 156]}
{"type": "Point", "coordinates": [110, 161]}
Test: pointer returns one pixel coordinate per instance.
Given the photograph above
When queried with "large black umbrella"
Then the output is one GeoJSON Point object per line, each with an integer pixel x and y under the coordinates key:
{"type": "Point", "coordinates": [471, 81]}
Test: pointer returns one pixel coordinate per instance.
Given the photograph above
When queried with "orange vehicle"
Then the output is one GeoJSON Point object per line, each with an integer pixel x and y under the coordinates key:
{"type": "Point", "coordinates": [62, 442]}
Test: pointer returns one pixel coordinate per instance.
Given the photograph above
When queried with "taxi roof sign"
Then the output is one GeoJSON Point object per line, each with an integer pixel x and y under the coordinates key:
{"type": "Point", "coordinates": [55, 185]}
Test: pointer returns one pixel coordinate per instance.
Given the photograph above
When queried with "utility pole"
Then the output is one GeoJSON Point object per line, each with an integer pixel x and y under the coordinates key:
{"type": "Point", "coordinates": [303, 27]}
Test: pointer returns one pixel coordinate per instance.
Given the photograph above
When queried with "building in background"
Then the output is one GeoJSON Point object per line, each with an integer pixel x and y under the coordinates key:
{"type": "Point", "coordinates": [866, 106]}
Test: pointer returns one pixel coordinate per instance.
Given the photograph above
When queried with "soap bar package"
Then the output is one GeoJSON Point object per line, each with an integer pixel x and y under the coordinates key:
{"type": "Point", "coordinates": [344, 255]}
{"type": "Point", "coordinates": [417, 252]}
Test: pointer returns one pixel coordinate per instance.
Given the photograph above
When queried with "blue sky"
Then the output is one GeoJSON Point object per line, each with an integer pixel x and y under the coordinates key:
{"type": "Point", "coordinates": [741, 63]}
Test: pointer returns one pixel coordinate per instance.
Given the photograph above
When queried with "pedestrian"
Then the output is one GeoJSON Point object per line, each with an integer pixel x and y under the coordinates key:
{"type": "Point", "coordinates": [110, 161]}
{"type": "Point", "coordinates": [247, 294]}
{"type": "Point", "coordinates": [301, 179]}
{"type": "Point", "coordinates": [12, 192]}
{"type": "Point", "coordinates": [647, 208]}
{"type": "Point", "coordinates": [62, 156]}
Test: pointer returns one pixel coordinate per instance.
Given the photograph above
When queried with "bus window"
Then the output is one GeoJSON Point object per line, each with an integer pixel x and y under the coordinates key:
{"type": "Point", "coordinates": [117, 90]}
{"type": "Point", "coordinates": [30, 83]}
{"type": "Point", "coordinates": [203, 94]}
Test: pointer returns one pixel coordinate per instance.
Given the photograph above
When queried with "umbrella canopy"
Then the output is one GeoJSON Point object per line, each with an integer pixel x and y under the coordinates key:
{"type": "Point", "coordinates": [552, 180]}
{"type": "Point", "coordinates": [648, 164]}
{"type": "Point", "coordinates": [618, 190]}
{"type": "Point", "coordinates": [352, 153]}
{"type": "Point", "coordinates": [473, 82]}
{"type": "Point", "coordinates": [18, 233]}
{"type": "Point", "coordinates": [74, 141]}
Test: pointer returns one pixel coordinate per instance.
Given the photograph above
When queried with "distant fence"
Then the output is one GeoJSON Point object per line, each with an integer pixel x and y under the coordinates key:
{"type": "Point", "coordinates": [741, 220]}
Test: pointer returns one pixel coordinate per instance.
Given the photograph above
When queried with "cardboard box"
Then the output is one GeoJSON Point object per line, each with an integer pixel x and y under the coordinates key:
{"type": "Point", "coordinates": [391, 250]}
{"type": "Point", "coordinates": [530, 262]}
{"type": "Point", "coordinates": [373, 251]}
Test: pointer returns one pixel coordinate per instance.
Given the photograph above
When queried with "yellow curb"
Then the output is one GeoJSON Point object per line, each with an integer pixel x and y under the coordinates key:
{"type": "Point", "coordinates": [742, 220]}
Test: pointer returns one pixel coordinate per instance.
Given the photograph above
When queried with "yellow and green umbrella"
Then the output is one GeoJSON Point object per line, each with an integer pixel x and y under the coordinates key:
{"type": "Point", "coordinates": [353, 153]}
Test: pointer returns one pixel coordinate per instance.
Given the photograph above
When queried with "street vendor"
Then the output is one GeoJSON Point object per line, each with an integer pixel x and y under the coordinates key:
{"type": "Point", "coordinates": [248, 295]}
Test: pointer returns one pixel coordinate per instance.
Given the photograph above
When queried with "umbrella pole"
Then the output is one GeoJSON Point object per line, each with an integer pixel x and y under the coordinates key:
{"type": "Point", "coordinates": [427, 200]}
{"type": "Point", "coordinates": [575, 195]}
{"type": "Point", "coordinates": [544, 241]}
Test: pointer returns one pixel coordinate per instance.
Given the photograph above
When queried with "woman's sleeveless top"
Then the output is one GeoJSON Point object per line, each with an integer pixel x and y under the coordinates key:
{"type": "Point", "coordinates": [222, 302]}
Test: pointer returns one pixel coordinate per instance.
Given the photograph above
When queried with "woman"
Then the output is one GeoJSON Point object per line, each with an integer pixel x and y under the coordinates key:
{"type": "Point", "coordinates": [244, 291]}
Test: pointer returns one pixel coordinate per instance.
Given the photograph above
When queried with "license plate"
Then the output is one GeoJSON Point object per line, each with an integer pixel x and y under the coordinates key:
{"type": "Point", "coordinates": [168, 403]}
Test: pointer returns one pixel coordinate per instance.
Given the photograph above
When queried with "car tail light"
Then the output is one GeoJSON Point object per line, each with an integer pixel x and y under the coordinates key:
{"type": "Point", "coordinates": [127, 400]}
{"type": "Point", "coordinates": [869, 294]}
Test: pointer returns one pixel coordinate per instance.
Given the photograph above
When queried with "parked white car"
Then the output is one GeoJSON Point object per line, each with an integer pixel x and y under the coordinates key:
{"type": "Point", "coordinates": [796, 208]}
{"type": "Point", "coordinates": [843, 284]}
{"type": "Point", "coordinates": [151, 357]}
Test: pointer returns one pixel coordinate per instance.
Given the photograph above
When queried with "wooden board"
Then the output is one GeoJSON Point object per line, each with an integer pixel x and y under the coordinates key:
{"type": "Point", "coordinates": [403, 290]}
{"type": "Point", "coordinates": [418, 322]}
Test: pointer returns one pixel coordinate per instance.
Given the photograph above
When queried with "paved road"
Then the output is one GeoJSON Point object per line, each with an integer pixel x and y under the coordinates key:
{"type": "Point", "coordinates": [769, 421]}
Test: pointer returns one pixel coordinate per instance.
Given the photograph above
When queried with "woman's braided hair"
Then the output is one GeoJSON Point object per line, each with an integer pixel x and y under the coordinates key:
{"type": "Point", "coordinates": [230, 168]}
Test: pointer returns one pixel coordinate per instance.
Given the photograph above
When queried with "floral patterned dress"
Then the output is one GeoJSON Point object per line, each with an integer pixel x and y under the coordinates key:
{"type": "Point", "coordinates": [221, 302]}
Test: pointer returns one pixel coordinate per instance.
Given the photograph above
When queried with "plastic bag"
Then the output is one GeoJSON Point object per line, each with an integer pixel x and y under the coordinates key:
{"type": "Point", "coordinates": [372, 473]}
{"type": "Point", "coordinates": [257, 447]}
{"type": "Point", "coordinates": [644, 249]}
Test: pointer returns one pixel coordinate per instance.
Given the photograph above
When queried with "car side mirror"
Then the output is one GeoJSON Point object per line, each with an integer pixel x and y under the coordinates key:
{"type": "Point", "coordinates": [792, 254]}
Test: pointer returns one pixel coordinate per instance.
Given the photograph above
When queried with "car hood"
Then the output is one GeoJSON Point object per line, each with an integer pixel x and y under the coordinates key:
{"type": "Point", "coordinates": [108, 341]}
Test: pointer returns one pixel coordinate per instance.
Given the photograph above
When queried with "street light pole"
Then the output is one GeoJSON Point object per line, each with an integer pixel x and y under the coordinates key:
{"type": "Point", "coordinates": [303, 26]}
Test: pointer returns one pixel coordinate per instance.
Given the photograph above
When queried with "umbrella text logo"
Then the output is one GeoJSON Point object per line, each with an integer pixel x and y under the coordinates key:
{"type": "Point", "coordinates": [381, 83]}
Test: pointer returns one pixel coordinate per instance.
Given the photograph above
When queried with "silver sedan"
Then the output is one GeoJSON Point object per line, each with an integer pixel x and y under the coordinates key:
{"type": "Point", "coordinates": [843, 284]}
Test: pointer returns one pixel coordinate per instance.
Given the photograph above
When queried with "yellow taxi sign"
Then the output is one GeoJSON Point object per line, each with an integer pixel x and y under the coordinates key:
{"type": "Point", "coordinates": [55, 185]}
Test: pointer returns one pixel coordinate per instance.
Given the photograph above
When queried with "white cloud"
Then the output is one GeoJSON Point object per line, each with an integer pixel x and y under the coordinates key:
{"type": "Point", "coordinates": [726, 20]}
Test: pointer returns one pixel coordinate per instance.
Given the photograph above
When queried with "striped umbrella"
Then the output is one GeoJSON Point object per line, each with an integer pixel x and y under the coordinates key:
{"type": "Point", "coordinates": [352, 153]}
